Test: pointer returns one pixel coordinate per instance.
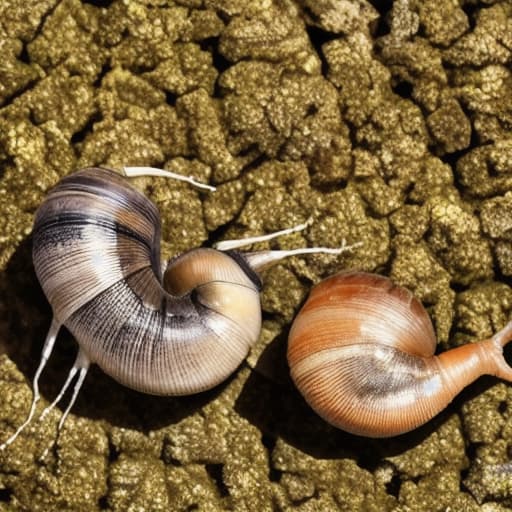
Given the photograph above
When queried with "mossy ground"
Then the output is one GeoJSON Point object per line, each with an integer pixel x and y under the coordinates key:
{"type": "Point", "coordinates": [387, 125]}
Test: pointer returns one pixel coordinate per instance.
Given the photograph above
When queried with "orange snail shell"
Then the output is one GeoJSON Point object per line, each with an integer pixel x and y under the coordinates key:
{"type": "Point", "coordinates": [361, 352]}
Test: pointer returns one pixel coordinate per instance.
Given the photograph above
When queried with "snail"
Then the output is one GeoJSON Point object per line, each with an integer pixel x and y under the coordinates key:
{"type": "Point", "coordinates": [361, 352]}
{"type": "Point", "coordinates": [172, 329]}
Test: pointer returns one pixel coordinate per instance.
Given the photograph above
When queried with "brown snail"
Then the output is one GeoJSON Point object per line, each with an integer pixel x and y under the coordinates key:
{"type": "Point", "coordinates": [172, 329]}
{"type": "Point", "coordinates": [361, 352]}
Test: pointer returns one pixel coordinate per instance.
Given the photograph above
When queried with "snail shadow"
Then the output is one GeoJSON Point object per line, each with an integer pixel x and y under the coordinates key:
{"type": "Point", "coordinates": [270, 401]}
{"type": "Point", "coordinates": [26, 320]}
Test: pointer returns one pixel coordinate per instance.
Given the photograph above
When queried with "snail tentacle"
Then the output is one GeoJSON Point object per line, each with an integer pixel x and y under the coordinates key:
{"type": "Point", "coordinates": [82, 363]}
{"type": "Point", "coordinates": [45, 355]}
{"type": "Point", "coordinates": [500, 339]}
{"type": "Point", "coordinates": [263, 259]}
{"type": "Point", "coordinates": [228, 245]}
{"type": "Point", "coordinates": [63, 389]}
{"type": "Point", "coordinates": [134, 172]}
{"type": "Point", "coordinates": [81, 366]}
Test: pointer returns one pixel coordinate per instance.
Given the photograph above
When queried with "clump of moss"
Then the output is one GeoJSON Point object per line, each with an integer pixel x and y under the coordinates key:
{"type": "Point", "coordinates": [385, 128]}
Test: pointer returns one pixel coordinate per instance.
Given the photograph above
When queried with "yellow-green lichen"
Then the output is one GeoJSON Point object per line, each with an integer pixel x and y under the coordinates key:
{"type": "Point", "coordinates": [450, 127]}
{"type": "Point", "coordinates": [390, 128]}
{"type": "Point", "coordinates": [496, 214]}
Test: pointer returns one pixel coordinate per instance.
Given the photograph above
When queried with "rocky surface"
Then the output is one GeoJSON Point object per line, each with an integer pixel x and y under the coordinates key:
{"type": "Point", "coordinates": [386, 125]}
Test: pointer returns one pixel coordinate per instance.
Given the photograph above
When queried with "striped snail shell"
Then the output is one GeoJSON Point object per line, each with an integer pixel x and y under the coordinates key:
{"type": "Point", "coordinates": [96, 253]}
{"type": "Point", "coordinates": [172, 329]}
{"type": "Point", "coordinates": [361, 352]}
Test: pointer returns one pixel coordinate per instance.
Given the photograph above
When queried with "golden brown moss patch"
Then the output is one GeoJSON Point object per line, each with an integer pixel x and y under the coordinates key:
{"type": "Point", "coordinates": [391, 128]}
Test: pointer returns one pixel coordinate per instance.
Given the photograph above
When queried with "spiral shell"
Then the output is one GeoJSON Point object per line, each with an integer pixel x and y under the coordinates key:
{"type": "Point", "coordinates": [361, 351]}
{"type": "Point", "coordinates": [96, 252]}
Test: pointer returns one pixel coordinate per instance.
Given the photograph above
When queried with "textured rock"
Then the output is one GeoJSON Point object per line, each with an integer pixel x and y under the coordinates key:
{"type": "Point", "coordinates": [389, 127]}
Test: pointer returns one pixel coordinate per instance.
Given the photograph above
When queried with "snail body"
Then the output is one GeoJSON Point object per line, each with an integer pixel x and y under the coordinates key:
{"type": "Point", "coordinates": [172, 329]}
{"type": "Point", "coordinates": [361, 352]}
{"type": "Point", "coordinates": [96, 253]}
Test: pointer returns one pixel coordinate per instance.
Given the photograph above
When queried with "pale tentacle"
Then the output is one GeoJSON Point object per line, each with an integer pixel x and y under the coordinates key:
{"type": "Point", "coordinates": [133, 172]}
{"type": "Point", "coordinates": [261, 260]}
{"type": "Point", "coordinates": [81, 366]}
{"type": "Point", "coordinates": [82, 362]}
{"type": "Point", "coordinates": [58, 398]}
{"type": "Point", "coordinates": [228, 245]}
{"type": "Point", "coordinates": [47, 350]}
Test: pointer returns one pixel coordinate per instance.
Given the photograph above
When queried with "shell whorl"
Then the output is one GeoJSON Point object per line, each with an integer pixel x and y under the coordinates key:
{"type": "Point", "coordinates": [349, 357]}
{"type": "Point", "coordinates": [96, 252]}
{"type": "Point", "coordinates": [361, 352]}
{"type": "Point", "coordinates": [341, 310]}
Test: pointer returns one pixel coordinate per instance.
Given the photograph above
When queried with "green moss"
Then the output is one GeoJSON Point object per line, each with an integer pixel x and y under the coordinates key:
{"type": "Point", "coordinates": [206, 136]}
{"type": "Point", "coordinates": [14, 74]}
{"type": "Point", "coordinates": [35, 158]}
{"type": "Point", "coordinates": [15, 225]}
{"type": "Point", "coordinates": [67, 38]}
{"type": "Point", "coordinates": [272, 33]}
{"type": "Point", "coordinates": [185, 70]}
{"type": "Point", "coordinates": [486, 92]}
{"type": "Point", "coordinates": [488, 43]}
{"type": "Point", "coordinates": [443, 448]}
{"type": "Point", "coordinates": [483, 307]}
{"type": "Point", "coordinates": [441, 488]}
{"type": "Point", "coordinates": [308, 483]}
{"type": "Point", "coordinates": [265, 106]}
